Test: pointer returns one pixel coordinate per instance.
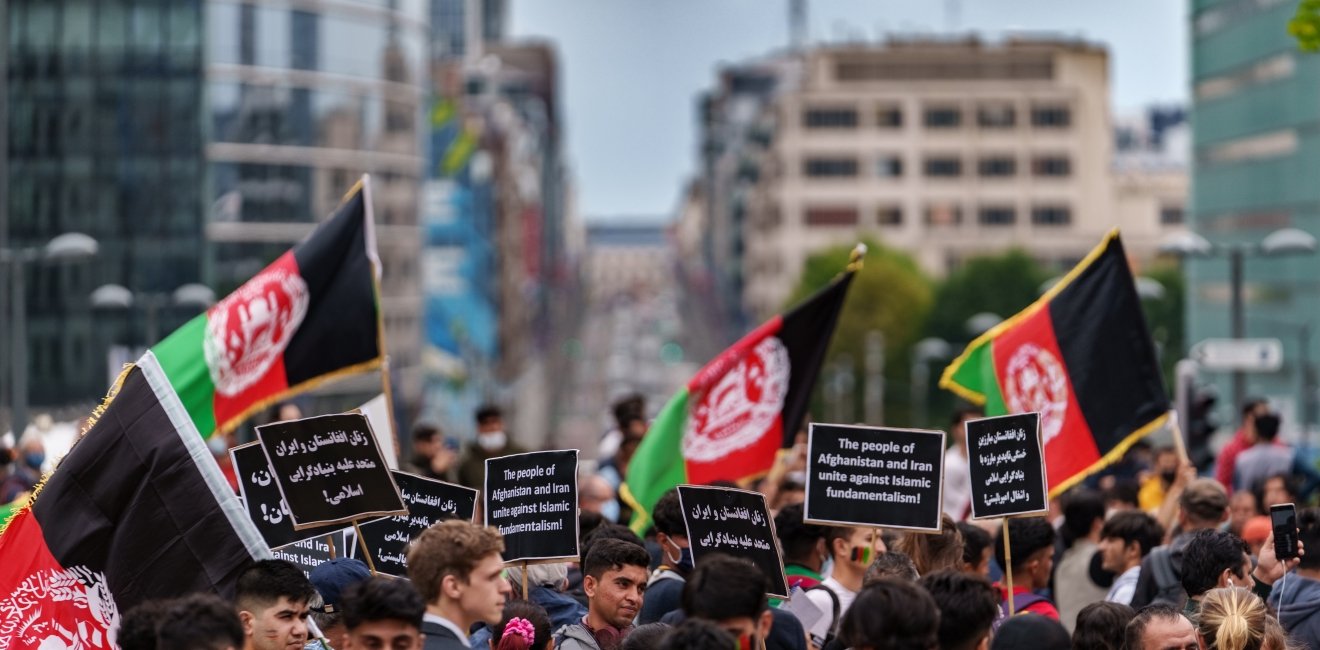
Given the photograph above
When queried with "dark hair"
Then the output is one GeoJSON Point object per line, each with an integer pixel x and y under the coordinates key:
{"type": "Point", "coordinates": [532, 613]}
{"type": "Point", "coordinates": [607, 530]}
{"type": "Point", "coordinates": [1102, 626]}
{"type": "Point", "coordinates": [1136, 628]}
{"type": "Point", "coordinates": [628, 406]}
{"type": "Point", "coordinates": [668, 514]}
{"type": "Point", "coordinates": [1249, 406]}
{"type": "Point", "coordinates": [200, 622]}
{"type": "Point", "coordinates": [1081, 508]}
{"type": "Point", "coordinates": [1206, 556]}
{"type": "Point", "coordinates": [891, 615]}
{"type": "Point", "coordinates": [137, 628]}
{"type": "Point", "coordinates": [723, 587]}
{"type": "Point", "coordinates": [965, 412]}
{"type": "Point", "coordinates": [698, 634]}
{"type": "Point", "coordinates": [891, 565]}
{"type": "Point", "coordinates": [798, 538]}
{"type": "Point", "coordinates": [1134, 526]}
{"type": "Point", "coordinates": [1267, 426]}
{"type": "Point", "coordinates": [1308, 523]}
{"type": "Point", "coordinates": [968, 607]}
{"type": "Point", "coordinates": [379, 599]}
{"type": "Point", "coordinates": [1125, 491]}
{"type": "Point", "coordinates": [588, 521]}
{"type": "Point", "coordinates": [836, 532]}
{"type": "Point", "coordinates": [648, 636]}
{"type": "Point", "coordinates": [488, 412]}
{"type": "Point", "coordinates": [266, 581]}
{"type": "Point", "coordinates": [614, 554]}
{"type": "Point", "coordinates": [425, 431]}
{"type": "Point", "coordinates": [1027, 535]}
{"type": "Point", "coordinates": [1290, 483]}
{"type": "Point", "coordinates": [975, 541]}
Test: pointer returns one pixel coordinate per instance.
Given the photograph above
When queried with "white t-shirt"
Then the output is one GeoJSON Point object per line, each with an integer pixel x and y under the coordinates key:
{"type": "Point", "coordinates": [957, 484]}
{"type": "Point", "coordinates": [846, 595]}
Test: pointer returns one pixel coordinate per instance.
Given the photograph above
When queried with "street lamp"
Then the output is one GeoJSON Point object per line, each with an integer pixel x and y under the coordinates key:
{"type": "Point", "coordinates": [1286, 241]}
{"type": "Point", "coordinates": [115, 296]}
{"type": "Point", "coordinates": [68, 247]}
{"type": "Point", "coordinates": [926, 350]}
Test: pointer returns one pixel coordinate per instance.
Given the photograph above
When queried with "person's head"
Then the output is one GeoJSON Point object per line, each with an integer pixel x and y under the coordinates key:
{"type": "Point", "coordinates": [489, 418]}
{"type": "Point", "coordinates": [1241, 508]}
{"type": "Point", "coordinates": [200, 622]}
{"type": "Point", "coordinates": [271, 599]}
{"type": "Point", "coordinates": [891, 565]}
{"type": "Point", "coordinates": [1308, 532]}
{"type": "Point", "coordinates": [670, 529]}
{"type": "Point", "coordinates": [331, 579]}
{"type": "Point", "coordinates": [525, 626]}
{"type": "Point", "coordinates": [32, 451]}
{"type": "Point", "coordinates": [968, 606]}
{"type": "Point", "coordinates": [1250, 409]}
{"type": "Point", "coordinates": [977, 547]}
{"type": "Point", "coordinates": [853, 549]}
{"type": "Point", "coordinates": [732, 593]}
{"type": "Point", "coordinates": [1276, 489]}
{"type": "Point", "coordinates": [791, 490]}
{"type": "Point", "coordinates": [891, 614]}
{"type": "Point", "coordinates": [653, 635]}
{"type": "Point", "coordinates": [456, 567]}
{"type": "Point", "coordinates": [551, 575]}
{"type": "Point", "coordinates": [614, 578]}
{"type": "Point", "coordinates": [1236, 619]}
{"type": "Point", "coordinates": [426, 440]}
{"type": "Point", "coordinates": [383, 613]}
{"type": "Point", "coordinates": [698, 634]}
{"type": "Point", "coordinates": [594, 492]}
{"type": "Point", "coordinates": [1126, 538]}
{"type": "Point", "coordinates": [606, 531]}
{"type": "Point", "coordinates": [1166, 464]}
{"type": "Point", "coordinates": [1083, 514]}
{"type": "Point", "coordinates": [627, 407]}
{"type": "Point", "coordinates": [958, 422]}
{"type": "Point", "coordinates": [933, 552]}
{"type": "Point", "coordinates": [137, 627]}
{"type": "Point", "coordinates": [1032, 544]}
{"type": "Point", "coordinates": [1267, 427]}
{"type": "Point", "coordinates": [285, 411]}
{"type": "Point", "coordinates": [1031, 631]}
{"type": "Point", "coordinates": [1204, 504]}
{"type": "Point", "coordinates": [1122, 495]}
{"type": "Point", "coordinates": [1102, 626]}
{"type": "Point", "coordinates": [803, 543]}
{"type": "Point", "coordinates": [1160, 627]}
{"type": "Point", "coordinates": [1214, 558]}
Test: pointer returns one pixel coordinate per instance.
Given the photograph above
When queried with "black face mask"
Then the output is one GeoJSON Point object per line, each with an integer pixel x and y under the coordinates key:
{"type": "Point", "coordinates": [1169, 476]}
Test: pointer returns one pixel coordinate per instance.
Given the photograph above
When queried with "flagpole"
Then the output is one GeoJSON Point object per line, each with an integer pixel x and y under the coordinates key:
{"type": "Point", "coordinates": [1179, 444]}
{"type": "Point", "coordinates": [1008, 570]}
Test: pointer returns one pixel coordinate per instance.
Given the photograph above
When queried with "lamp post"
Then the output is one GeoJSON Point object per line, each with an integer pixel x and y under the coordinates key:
{"type": "Point", "coordinates": [114, 296]}
{"type": "Point", "coordinates": [925, 351]}
{"type": "Point", "coordinates": [68, 247]}
{"type": "Point", "coordinates": [1286, 241]}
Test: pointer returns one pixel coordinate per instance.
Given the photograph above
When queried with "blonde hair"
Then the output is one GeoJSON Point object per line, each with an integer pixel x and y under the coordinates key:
{"type": "Point", "coordinates": [1233, 618]}
{"type": "Point", "coordinates": [932, 552]}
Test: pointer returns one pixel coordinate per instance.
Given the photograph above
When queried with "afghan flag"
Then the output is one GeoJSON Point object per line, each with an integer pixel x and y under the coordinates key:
{"type": "Point", "coordinates": [1081, 356]}
{"type": "Point", "coordinates": [740, 409]}
{"type": "Point", "coordinates": [137, 510]}
{"type": "Point", "coordinates": [311, 316]}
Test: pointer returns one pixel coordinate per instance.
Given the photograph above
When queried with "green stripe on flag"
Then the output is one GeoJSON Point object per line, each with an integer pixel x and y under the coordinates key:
{"type": "Point", "coordinates": [974, 379]}
{"type": "Point", "coordinates": [658, 465]}
{"type": "Point", "coordinates": [184, 362]}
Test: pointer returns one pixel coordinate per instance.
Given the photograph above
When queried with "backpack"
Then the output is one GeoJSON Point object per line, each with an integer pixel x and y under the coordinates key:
{"type": "Point", "coordinates": [834, 621]}
{"type": "Point", "coordinates": [1020, 604]}
{"type": "Point", "coordinates": [1168, 586]}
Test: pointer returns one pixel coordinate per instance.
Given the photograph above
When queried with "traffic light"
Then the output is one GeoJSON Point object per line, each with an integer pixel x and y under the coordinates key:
{"type": "Point", "coordinates": [1201, 425]}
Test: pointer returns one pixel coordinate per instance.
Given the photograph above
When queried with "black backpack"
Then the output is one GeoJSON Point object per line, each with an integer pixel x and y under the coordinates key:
{"type": "Point", "coordinates": [1168, 586]}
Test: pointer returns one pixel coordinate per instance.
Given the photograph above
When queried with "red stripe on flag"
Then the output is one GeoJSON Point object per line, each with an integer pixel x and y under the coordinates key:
{"type": "Point", "coordinates": [1033, 377]}
{"type": "Point", "coordinates": [42, 601]}
{"type": "Point", "coordinates": [259, 328]}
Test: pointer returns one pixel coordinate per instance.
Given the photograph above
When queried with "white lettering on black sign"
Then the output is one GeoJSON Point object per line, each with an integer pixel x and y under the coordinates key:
{"type": "Point", "coordinates": [429, 502]}
{"type": "Point", "coordinates": [867, 476]}
{"type": "Point", "coordinates": [1007, 466]}
{"type": "Point", "coordinates": [262, 500]}
{"type": "Point", "coordinates": [532, 500]}
{"type": "Point", "coordinates": [733, 522]}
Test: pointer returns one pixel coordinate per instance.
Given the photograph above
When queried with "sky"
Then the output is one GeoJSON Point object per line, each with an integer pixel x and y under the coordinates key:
{"type": "Point", "coordinates": [631, 70]}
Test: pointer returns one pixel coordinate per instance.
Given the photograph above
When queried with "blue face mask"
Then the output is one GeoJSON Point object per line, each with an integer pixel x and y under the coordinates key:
{"type": "Point", "coordinates": [34, 459]}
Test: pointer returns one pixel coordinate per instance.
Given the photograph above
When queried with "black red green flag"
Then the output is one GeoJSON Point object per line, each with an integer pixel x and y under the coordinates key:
{"type": "Point", "coordinates": [740, 409]}
{"type": "Point", "coordinates": [138, 509]}
{"type": "Point", "coordinates": [1081, 356]}
{"type": "Point", "coordinates": [311, 315]}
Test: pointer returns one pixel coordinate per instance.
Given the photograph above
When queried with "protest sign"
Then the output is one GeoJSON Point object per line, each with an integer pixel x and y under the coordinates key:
{"type": "Point", "coordinates": [869, 476]}
{"type": "Point", "coordinates": [532, 500]}
{"type": "Point", "coordinates": [262, 500]}
{"type": "Point", "coordinates": [307, 554]}
{"type": "Point", "coordinates": [329, 470]}
{"type": "Point", "coordinates": [429, 501]}
{"type": "Point", "coordinates": [733, 522]}
{"type": "Point", "coordinates": [1007, 466]}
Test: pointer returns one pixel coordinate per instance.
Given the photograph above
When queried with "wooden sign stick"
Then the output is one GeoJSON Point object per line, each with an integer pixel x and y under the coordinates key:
{"type": "Point", "coordinates": [1008, 570]}
{"type": "Point", "coordinates": [525, 595]}
{"type": "Point", "coordinates": [366, 553]}
{"type": "Point", "coordinates": [330, 539]}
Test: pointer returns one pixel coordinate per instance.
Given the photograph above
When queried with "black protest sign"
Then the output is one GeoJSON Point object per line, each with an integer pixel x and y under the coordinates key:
{"type": "Point", "coordinates": [429, 501]}
{"type": "Point", "coordinates": [532, 500]}
{"type": "Point", "coordinates": [733, 522]}
{"type": "Point", "coordinates": [329, 469]}
{"type": "Point", "coordinates": [1007, 466]}
{"type": "Point", "coordinates": [868, 476]}
{"type": "Point", "coordinates": [261, 497]}
{"type": "Point", "coordinates": [307, 554]}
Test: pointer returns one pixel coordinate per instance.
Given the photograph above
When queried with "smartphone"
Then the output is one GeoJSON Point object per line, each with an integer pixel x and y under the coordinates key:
{"type": "Point", "coordinates": [1283, 518]}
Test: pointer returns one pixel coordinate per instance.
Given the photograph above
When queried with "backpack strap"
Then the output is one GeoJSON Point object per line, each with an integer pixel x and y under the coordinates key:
{"type": "Point", "coordinates": [1020, 603]}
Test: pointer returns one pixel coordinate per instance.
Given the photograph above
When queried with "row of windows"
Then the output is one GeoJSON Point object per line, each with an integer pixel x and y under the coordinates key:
{"type": "Point", "coordinates": [940, 214]}
{"type": "Point", "coordinates": [1052, 166]}
{"type": "Point", "coordinates": [990, 116]}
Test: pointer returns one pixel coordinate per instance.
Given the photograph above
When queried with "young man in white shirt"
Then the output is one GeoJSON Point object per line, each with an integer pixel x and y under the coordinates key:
{"type": "Point", "coordinates": [1126, 538]}
{"type": "Point", "coordinates": [853, 550]}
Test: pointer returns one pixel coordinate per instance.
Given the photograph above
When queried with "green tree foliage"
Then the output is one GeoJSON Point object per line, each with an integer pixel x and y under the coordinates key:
{"type": "Point", "coordinates": [1305, 25]}
{"type": "Point", "coordinates": [1165, 316]}
{"type": "Point", "coordinates": [1001, 284]}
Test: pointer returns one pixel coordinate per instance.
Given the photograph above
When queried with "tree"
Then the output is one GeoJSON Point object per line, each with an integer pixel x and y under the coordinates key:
{"type": "Point", "coordinates": [890, 295]}
{"type": "Point", "coordinates": [1165, 317]}
{"type": "Point", "coordinates": [1002, 284]}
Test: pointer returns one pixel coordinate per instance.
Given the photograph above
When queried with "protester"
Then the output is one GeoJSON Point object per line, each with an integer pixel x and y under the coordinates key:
{"type": "Point", "coordinates": [1031, 540]}
{"type": "Point", "coordinates": [1243, 438]}
{"type": "Point", "coordinates": [1126, 539]}
{"type": "Point", "coordinates": [199, 622]}
{"type": "Point", "coordinates": [622, 409]}
{"type": "Point", "coordinates": [891, 614]}
{"type": "Point", "coordinates": [732, 593]}
{"type": "Point", "coordinates": [852, 550]}
{"type": "Point", "coordinates": [1242, 507]}
{"type": "Point", "coordinates": [382, 613]}
{"type": "Point", "coordinates": [525, 626]}
{"type": "Point", "coordinates": [1276, 490]}
{"type": "Point", "coordinates": [891, 565]}
{"type": "Point", "coordinates": [1203, 505]}
{"type": "Point", "coordinates": [614, 578]}
{"type": "Point", "coordinates": [1269, 458]}
{"type": "Point", "coordinates": [652, 635]}
{"type": "Point", "coordinates": [432, 456]}
{"type": "Point", "coordinates": [26, 471]}
{"type": "Point", "coordinates": [271, 598]}
{"type": "Point", "coordinates": [957, 480]}
{"type": "Point", "coordinates": [968, 606]}
{"type": "Point", "coordinates": [1077, 544]}
{"type": "Point", "coordinates": [1236, 619]}
{"type": "Point", "coordinates": [1213, 559]}
{"type": "Point", "coordinates": [1298, 600]}
{"type": "Point", "coordinates": [137, 627]}
{"type": "Point", "coordinates": [546, 582]}
{"type": "Point", "coordinates": [1102, 626]}
{"type": "Point", "coordinates": [1161, 627]}
{"type": "Point", "coordinates": [330, 580]}
{"type": "Point", "coordinates": [1163, 474]}
{"type": "Point", "coordinates": [664, 591]}
{"type": "Point", "coordinates": [596, 495]}
{"type": "Point", "coordinates": [1030, 630]}
{"type": "Point", "coordinates": [803, 546]}
{"type": "Point", "coordinates": [601, 532]}
{"type": "Point", "coordinates": [492, 442]}
{"type": "Point", "coordinates": [1122, 495]}
{"type": "Point", "coordinates": [933, 552]}
{"type": "Point", "coordinates": [977, 549]}
{"type": "Point", "coordinates": [699, 634]}
{"type": "Point", "coordinates": [456, 567]}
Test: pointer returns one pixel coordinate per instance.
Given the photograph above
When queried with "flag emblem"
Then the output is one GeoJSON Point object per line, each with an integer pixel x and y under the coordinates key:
{"type": "Point", "coordinates": [736, 412]}
{"type": "Point", "coordinates": [88, 616]}
{"type": "Point", "coordinates": [249, 329]}
{"type": "Point", "coordinates": [1035, 381]}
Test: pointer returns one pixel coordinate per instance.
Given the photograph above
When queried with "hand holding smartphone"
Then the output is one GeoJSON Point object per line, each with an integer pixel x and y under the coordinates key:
{"type": "Point", "coordinates": [1283, 519]}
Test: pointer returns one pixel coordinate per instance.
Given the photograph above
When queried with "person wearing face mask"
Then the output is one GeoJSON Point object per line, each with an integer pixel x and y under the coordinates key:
{"type": "Point", "coordinates": [1156, 486]}
{"type": "Point", "coordinates": [27, 468]}
{"type": "Point", "coordinates": [491, 442]}
{"type": "Point", "coordinates": [664, 592]}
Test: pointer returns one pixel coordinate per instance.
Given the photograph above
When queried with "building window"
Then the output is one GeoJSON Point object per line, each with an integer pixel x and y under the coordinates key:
{"type": "Point", "coordinates": [889, 215]}
{"type": "Point", "coordinates": [889, 117]}
{"type": "Point", "coordinates": [999, 215]}
{"type": "Point", "coordinates": [996, 116]}
{"type": "Point", "coordinates": [997, 166]}
{"type": "Point", "coordinates": [829, 167]}
{"type": "Point", "coordinates": [831, 216]}
{"type": "Point", "coordinates": [830, 118]}
{"type": "Point", "coordinates": [943, 214]}
{"type": "Point", "coordinates": [1053, 166]}
{"type": "Point", "coordinates": [943, 117]}
{"type": "Point", "coordinates": [1051, 117]}
{"type": "Point", "coordinates": [889, 167]}
{"type": "Point", "coordinates": [1172, 215]}
{"type": "Point", "coordinates": [943, 167]}
{"type": "Point", "coordinates": [1051, 216]}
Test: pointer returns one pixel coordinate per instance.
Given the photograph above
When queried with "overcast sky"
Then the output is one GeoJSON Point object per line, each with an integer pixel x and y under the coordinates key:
{"type": "Point", "coordinates": [632, 69]}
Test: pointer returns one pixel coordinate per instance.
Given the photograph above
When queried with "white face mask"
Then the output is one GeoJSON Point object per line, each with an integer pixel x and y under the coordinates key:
{"type": "Point", "coordinates": [492, 440]}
